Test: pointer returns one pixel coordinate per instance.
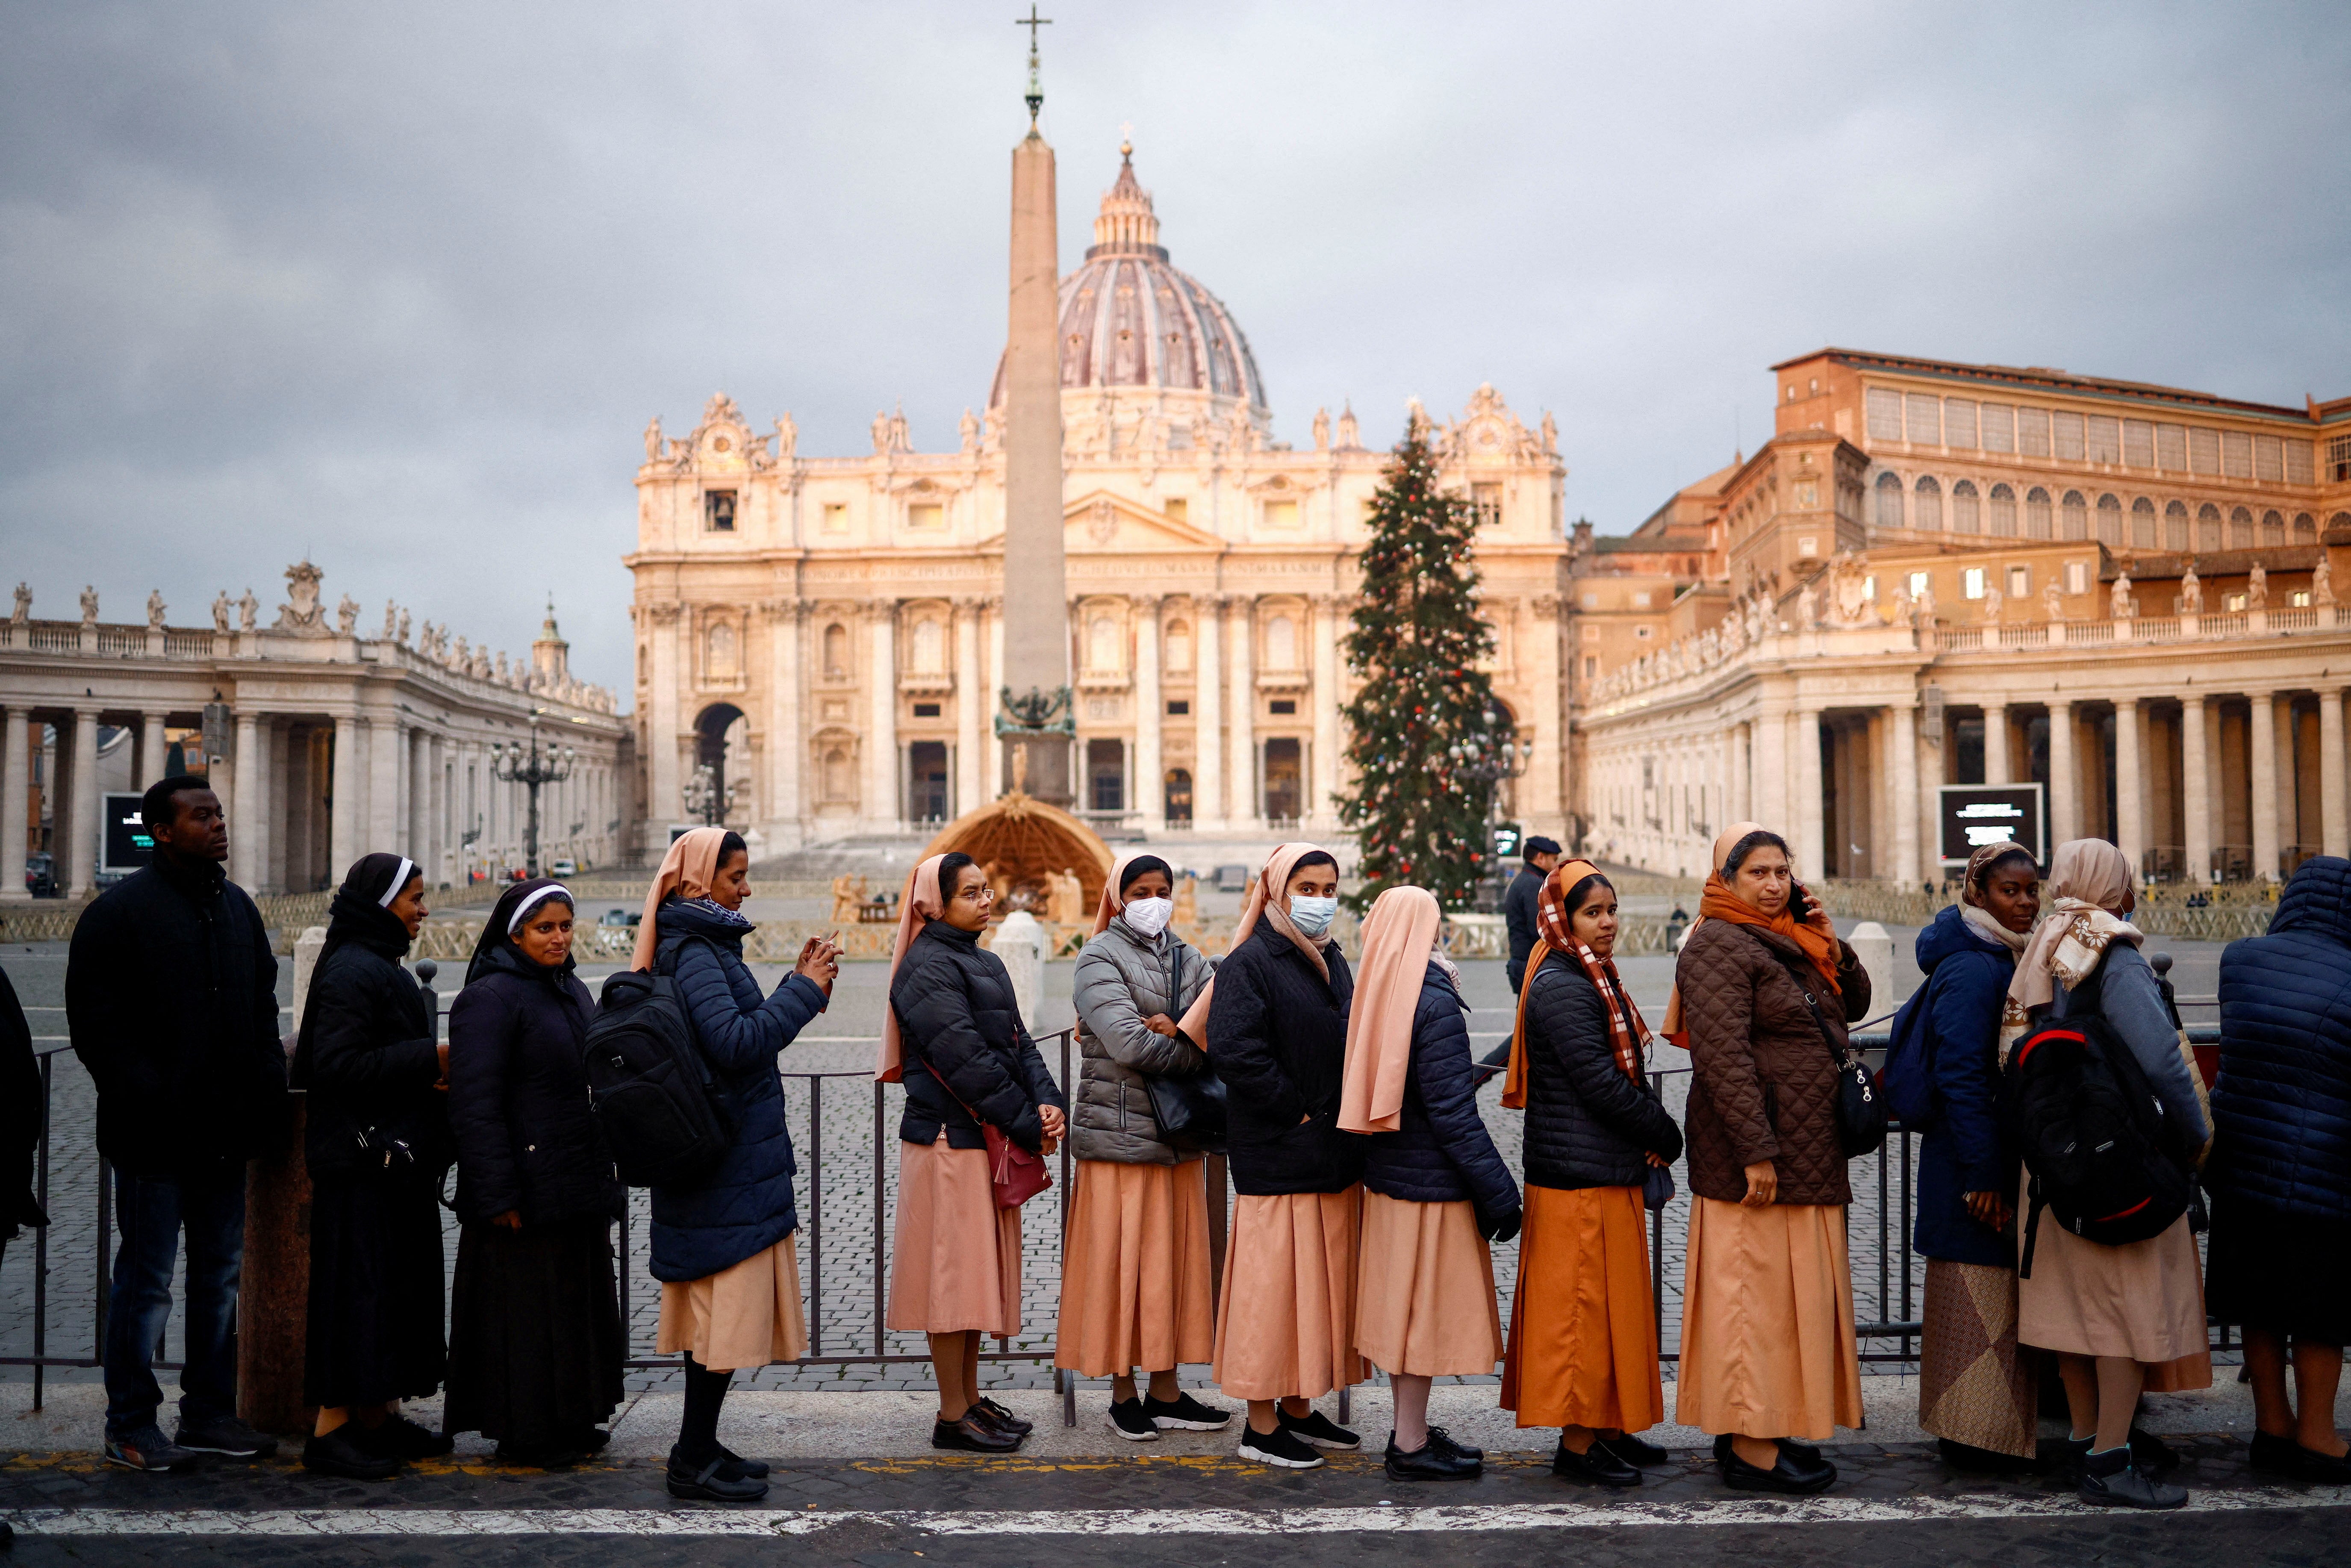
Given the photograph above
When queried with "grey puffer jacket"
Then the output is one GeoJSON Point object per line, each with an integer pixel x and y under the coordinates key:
{"type": "Point", "coordinates": [1122, 979]}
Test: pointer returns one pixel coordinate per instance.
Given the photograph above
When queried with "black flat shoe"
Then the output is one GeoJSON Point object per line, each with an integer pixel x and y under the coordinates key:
{"type": "Point", "coordinates": [757, 1468]}
{"type": "Point", "coordinates": [592, 1441]}
{"type": "Point", "coordinates": [336, 1454]}
{"type": "Point", "coordinates": [2150, 1455]}
{"type": "Point", "coordinates": [1972, 1460]}
{"type": "Point", "coordinates": [2324, 1469]}
{"type": "Point", "coordinates": [1597, 1466]}
{"type": "Point", "coordinates": [1439, 1437]}
{"type": "Point", "coordinates": [973, 1434]}
{"type": "Point", "coordinates": [714, 1479]}
{"type": "Point", "coordinates": [2274, 1456]}
{"type": "Point", "coordinates": [1634, 1451]}
{"type": "Point", "coordinates": [1722, 1449]}
{"type": "Point", "coordinates": [1431, 1461]}
{"type": "Point", "coordinates": [1793, 1475]}
{"type": "Point", "coordinates": [1003, 1420]}
{"type": "Point", "coordinates": [403, 1438]}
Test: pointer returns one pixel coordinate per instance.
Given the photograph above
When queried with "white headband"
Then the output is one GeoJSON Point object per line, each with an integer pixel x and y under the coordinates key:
{"type": "Point", "coordinates": [399, 880]}
{"type": "Point", "coordinates": [552, 890]}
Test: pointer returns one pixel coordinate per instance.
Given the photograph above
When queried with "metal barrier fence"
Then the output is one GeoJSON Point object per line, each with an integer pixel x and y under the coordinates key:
{"type": "Point", "coordinates": [1895, 1291]}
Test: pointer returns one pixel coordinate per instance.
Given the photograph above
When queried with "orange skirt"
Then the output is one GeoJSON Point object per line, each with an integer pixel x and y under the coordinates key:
{"type": "Point", "coordinates": [1583, 1325]}
{"type": "Point", "coordinates": [1288, 1328]}
{"type": "Point", "coordinates": [746, 1316]}
{"type": "Point", "coordinates": [1134, 1270]}
{"type": "Point", "coordinates": [1767, 1322]}
{"type": "Point", "coordinates": [1425, 1290]}
{"type": "Point", "coordinates": [955, 1260]}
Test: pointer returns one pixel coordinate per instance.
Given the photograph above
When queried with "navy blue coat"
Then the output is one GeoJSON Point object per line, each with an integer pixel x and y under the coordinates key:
{"type": "Point", "coordinates": [2283, 1101]}
{"type": "Point", "coordinates": [1440, 1151]}
{"type": "Point", "coordinates": [744, 1207]}
{"type": "Point", "coordinates": [1967, 984]}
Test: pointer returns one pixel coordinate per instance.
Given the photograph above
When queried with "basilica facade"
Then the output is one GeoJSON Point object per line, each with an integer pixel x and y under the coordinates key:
{"type": "Point", "coordinates": [820, 640]}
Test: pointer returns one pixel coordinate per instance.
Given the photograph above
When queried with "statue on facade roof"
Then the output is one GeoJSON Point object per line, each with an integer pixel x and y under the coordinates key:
{"type": "Point", "coordinates": [401, 635]}
{"type": "Point", "coordinates": [88, 604]}
{"type": "Point", "coordinates": [967, 427]}
{"type": "Point", "coordinates": [391, 620]}
{"type": "Point", "coordinates": [248, 610]}
{"type": "Point", "coordinates": [1350, 437]}
{"type": "Point", "coordinates": [1549, 431]}
{"type": "Point", "coordinates": [24, 611]}
{"type": "Point", "coordinates": [302, 613]}
{"type": "Point", "coordinates": [1321, 430]}
{"type": "Point", "coordinates": [221, 608]}
{"type": "Point", "coordinates": [155, 609]}
{"type": "Point", "coordinates": [2257, 587]}
{"type": "Point", "coordinates": [653, 439]}
{"type": "Point", "coordinates": [346, 616]}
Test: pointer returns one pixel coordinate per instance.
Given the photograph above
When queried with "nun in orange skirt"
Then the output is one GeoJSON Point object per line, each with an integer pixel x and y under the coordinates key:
{"type": "Point", "coordinates": [1435, 1192]}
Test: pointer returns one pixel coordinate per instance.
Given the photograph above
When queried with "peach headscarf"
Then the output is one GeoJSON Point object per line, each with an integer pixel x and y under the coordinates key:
{"type": "Point", "coordinates": [1267, 898]}
{"type": "Point", "coordinates": [2089, 879]}
{"type": "Point", "coordinates": [920, 905]}
{"type": "Point", "coordinates": [688, 870]}
{"type": "Point", "coordinates": [1107, 910]}
{"type": "Point", "coordinates": [1399, 933]}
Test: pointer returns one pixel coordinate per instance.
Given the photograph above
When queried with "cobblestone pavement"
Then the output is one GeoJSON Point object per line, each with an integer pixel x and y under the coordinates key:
{"type": "Point", "coordinates": [844, 1312]}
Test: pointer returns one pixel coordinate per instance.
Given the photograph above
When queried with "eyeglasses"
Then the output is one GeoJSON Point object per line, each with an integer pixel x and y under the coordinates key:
{"type": "Point", "coordinates": [980, 894]}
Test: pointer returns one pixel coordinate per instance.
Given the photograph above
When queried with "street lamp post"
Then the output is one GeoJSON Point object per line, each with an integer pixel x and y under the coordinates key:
{"type": "Point", "coordinates": [706, 798]}
{"type": "Point", "coordinates": [1491, 757]}
{"type": "Point", "coordinates": [511, 764]}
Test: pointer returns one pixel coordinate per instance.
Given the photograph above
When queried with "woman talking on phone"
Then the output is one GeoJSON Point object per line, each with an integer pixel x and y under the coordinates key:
{"type": "Point", "coordinates": [721, 1247]}
{"type": "Point", "coordinates": [1761, 997]}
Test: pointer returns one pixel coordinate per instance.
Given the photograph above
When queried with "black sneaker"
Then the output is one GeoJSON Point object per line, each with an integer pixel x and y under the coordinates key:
{"type": "Point", "coordinates": [1439, 1437]}
{"type": "Point", "coordinates": [1635, 1451]}
{"type": "Point", "coordinates": [340, 1453]}
{"type": "Point", "coordinates": [1127, 1419]}
{"type": "Point", "coordinates": [148, 1449]}
{"type": "Point", "coordinates": [1317, 1428]}
{"type": "Point", "coordinates": [1432, 1461]}
{"type": "Point", "coordinates": [714, 1479]}
{"type": "Point", "coordinates": [1003, 1420]}
{"type": "Point", "coordinates": [227, 1436]}
{"type": "Point", "coordinates": [1281, 1446]}
{"type": "Point", "coordinates": [403, 1438]}
{"type": "Point", "coordinates": [1185, 1414]}
{"type": "Point", "coordinates": [2114, 1480]}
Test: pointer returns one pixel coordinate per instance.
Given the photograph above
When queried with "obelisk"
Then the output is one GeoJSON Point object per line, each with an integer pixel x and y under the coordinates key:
{"type": "Point", "coordinates": [1034, 718]}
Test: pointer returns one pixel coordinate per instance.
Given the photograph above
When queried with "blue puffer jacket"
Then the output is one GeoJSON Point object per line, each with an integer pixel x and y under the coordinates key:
{"type": "Point", "coordinates": [1967, 982]}
{"type": "Point", "coordinates": [1441, 1152]}
{"type": "Point", "coordinates": [746, 1205]}
{"type": "Point", "coordinates": [2282, 1102]}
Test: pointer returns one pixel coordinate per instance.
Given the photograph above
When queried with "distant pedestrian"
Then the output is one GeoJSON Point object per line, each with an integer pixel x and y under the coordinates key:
{"type": "Point", "coordinates": [2122, 1319]}
{"type": "Point", "coordinates": [535, 1335]}
{"type": "Point", "coordinates": [1135, 1287]}
{"type": "Point", "coordinates": [954, 1036]}
{"type": "Point", "coordinates": [1275, 1022]}
{"type": "Point", "coordinates": [172, 999]}
{"type": "Point", "coordinates": [377, 1142]}
{"type": "Point", "coordinates": [21, 1116]}
{"type": "Point", "coordinates": [1584, 1337]}
{"type": "Point", "coordinates": [1978, 1390]}
{"type": "Point", "coordinates": [2280, 1244]}
{"type": "Point", "coordinates": [1763, 993]}
{"type": "Point", "coordinates": [723, 1247]}
{"type": "Point", "coordinates": [1538, 855]}
{"type": "Point", "coordinates": [1436, 1191]}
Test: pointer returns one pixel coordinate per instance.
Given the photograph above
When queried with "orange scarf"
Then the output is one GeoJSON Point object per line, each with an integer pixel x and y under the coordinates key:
{"type": "Point", "coordinates": [1815, 938]}
{"type": "Point", "coordinates": [1554, 933]}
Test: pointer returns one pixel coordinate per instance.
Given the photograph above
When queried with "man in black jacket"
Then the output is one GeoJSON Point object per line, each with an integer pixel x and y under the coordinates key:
{"type": "Point", "coordinates": [1519, 906]}
{"type": "Point", "coordinates": [171, 1000]}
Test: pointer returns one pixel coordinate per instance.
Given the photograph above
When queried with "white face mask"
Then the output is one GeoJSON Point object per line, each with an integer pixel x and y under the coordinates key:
{"type": "Point", "coordinates": [1313, 915]}
{"type": "Point", "coordinates": [1147, 916]}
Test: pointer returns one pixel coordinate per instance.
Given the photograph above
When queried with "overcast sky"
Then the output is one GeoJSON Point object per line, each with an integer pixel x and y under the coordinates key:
{"type": "Point", "coordinates": [398, 286]}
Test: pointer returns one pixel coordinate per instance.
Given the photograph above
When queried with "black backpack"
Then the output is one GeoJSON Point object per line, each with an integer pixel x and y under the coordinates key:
{"type": "Point", "coordinates": [653, 1094]}
{"type": "Point", "coordinates": [2104, 1156]}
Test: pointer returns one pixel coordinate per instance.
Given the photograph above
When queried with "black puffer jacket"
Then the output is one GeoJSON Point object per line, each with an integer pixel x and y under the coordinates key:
{"type": "Point", "coordinates": [1277, 1037]}
{"type": "Point", "coordinates": [527, 1140]}
{"type": "Point", "coordinates": [20, 1115]}
{"type": "Point", "coordinates": [958, 1019]}
{"type": "Point", "coordinates": [2282, 1106]}
{"type": "Point", "coordinates": [1521, 901]}
{"type": "Point", "coordinates": [370, 1062]}
{"type": "Point", "coordinates": [1440, 1151]}
{"type": "Point", "coordinates": [1587, 1124]}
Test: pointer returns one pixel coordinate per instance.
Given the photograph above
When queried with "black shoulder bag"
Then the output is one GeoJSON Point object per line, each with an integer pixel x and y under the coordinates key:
{"type": "Point", "coordinates": [1190, 1111]}
{"type": "Point", "coordinates": [1861, 1110]}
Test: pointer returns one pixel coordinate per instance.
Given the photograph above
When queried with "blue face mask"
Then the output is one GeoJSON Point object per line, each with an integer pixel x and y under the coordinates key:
{"type": "Point", "coordinates": [1313, 915]}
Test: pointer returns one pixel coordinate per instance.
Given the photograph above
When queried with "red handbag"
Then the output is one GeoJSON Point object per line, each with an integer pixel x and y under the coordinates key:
{"type": "Point", "coordinates": [1015, 1174]}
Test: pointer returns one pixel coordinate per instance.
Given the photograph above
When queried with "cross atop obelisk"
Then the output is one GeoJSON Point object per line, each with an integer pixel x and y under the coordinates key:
{"type": "Point", "coordinates": [1034, 723]}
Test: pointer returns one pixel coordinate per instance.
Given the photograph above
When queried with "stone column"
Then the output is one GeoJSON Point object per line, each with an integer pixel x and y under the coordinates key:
{"type": "Point", "coordinates": [1812, 836]}
{"type": "Point", "coordinates": [1146, 788]}
{"type": "Point", "coordinates": [1546, 801]}
{"type": "Point", "coordinates": [1207, 714]}
{"type": "Point", "coordinates": [248, 849]}
{"type": "Point", "coordinates": [2265, 771]}
{"type": "Point", "coordinates": [1770, 766]}
{"type": "Point", "coordinates": [972, 710]}
{"type": "Point", "coordinates": [420, 804]}
{"type": "Point", "coordinates": [2196, 787]}
{"type": "Point", "coordinates": [883, 806]}
{"type": "Point", "coordinates": [436, 838]}
{"type": "Point", "coordinates": [2064, 776]}
{"type": "Point", "coordinates": [152, 750]}
{"type": "Point", "coordinates": [80, 857]}
{"type": "Point", "coordinates": [1903, 802]}
{"type": "Point", "coordinates": [664, 803]}
{"type": "Point", "coordinates": [343, 818]}
{"type": "Point", "coordinates": [2130, 784]}
{"type": "Point", "coordinates": [2334, 834]}
{"type": "Point", "coordinates": [16, 800]}
{"type": "Point", "coordinates": [1240, 734]}
{"type": "Point", "coordinates": [387, 753]}
{"type": "Point", "coordinates": [1322, 780]}
{"type": "Point", "coordinates": [1996, 744]}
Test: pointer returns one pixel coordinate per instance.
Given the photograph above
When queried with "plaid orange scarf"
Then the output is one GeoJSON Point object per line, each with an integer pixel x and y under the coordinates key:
{"type": "Point", "coordinates": [1554, 933]}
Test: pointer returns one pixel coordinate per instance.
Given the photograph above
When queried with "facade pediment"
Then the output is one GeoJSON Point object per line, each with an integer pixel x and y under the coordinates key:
{"type": "Point", "coordinates": [1100, 522]}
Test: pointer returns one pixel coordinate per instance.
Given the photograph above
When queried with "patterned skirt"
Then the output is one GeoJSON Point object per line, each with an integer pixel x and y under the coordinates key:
{"type": "Point", "coordinates": [1976, 1384]}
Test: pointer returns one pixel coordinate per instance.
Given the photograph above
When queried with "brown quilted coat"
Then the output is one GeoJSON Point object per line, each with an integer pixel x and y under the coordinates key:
{"type": "Point", "coordinates": [1763, 1086]}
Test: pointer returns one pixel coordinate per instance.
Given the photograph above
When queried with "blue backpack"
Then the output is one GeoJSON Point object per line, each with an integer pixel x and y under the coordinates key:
{"type": "Point", "coordinates": [1908, 1079]}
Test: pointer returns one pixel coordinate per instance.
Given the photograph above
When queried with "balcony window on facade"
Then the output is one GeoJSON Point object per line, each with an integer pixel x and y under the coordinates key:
{"type": "Point", "coordinates": [836, 517]}
{"type": "Point", "coordinates": [1281, 514]}
{"type": "Point", "coordinates": [1282, 779]}
{"type": "Point", "coordinates": [1999, 427]}
{"type": "Point", "coordinates": [1965, 515]}
{"type": "Point", "coordinates": [2033, 432]}
{"type": "Point", "coordinates": [2077, 577]}
{"type": "Point", "coordinates": [1890, 501]}
{"type": "Point", "coordinates": [2240, 529]}
{"type": "Point", "coordinates": [2019, 581]}
{"type": "Point", "coordinates": [1177, 707]}
{"type": "Point", "coordinates": [1972, 582]}
{"type": "Point", "coordinates": [926, 781]}
{"type": "Point", "coordinates": [2036, 514]}
{"type": "Point", "coordinates": [1180, 647]}
{"type": "Point", "coordinates": [2175, 526]}
{"type": "Point", "coordinates": [1928, 501]}
{"type": "Point", "coordinates": [1177, 795]}
{"type": "Point", "coordinates": [2171, 447]}
{"type": "Point", "coordinates": [2077, 517]}
{"type": "Point", "coordinates": [1919, 581]}
{"type": "Point", "coordinates": [2110, 521]}
{"type": "Point", "coordinates": [2142, 524]}
{"type": "Point", "coordinates": [2003, 512]}
{"type": "Point", "coordinates": [1177, 509]}
{"type": "Point", "coordinates": [2208, 527]}
{"type": "Point", "coordinates": [1487, 501]}
{"type": "Point", "coordinates": [926, 710]}
{"type": "Point", "coordinates": [718, 511]}
{"type": "Point", "coordinates": [927, 514]}
{"type": "Point", "coordinates": [1106, 774]}
{"type": "Point", "coordinates": [836, 652]}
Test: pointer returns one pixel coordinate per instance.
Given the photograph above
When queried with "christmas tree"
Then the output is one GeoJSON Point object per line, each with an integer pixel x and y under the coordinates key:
{"type": "Point", "coordinates": [1424, 728]}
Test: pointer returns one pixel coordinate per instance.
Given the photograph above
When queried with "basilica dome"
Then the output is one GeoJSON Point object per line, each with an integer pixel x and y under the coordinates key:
{"type": "Point", "coordinates": [1130, 320]}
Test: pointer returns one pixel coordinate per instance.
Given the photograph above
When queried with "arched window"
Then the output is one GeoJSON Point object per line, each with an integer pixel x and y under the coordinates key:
{"type": "Point", "coordinates": [2175, 526]}
{"type": "Point", "coordinates": [2036, 513]}
{"type": "Point", "coordinates": [930, 647]}
{"type": "Point", "coordinates": [2208, 527]}
{"type": "Point", "coordinates": [1966, 513]}
{"type": "Point", "coordinates": [1890, 501]}
{"type": "Point", "coordinates": [2305, 529]}
{"type": "Point", "coordinates": [836, 652]}
{"type": "Point", "coordinates": [839, 777]}
{"type": "Point", "coordinates": [2077, 517]}
{"type": "Point", "coordinates": [1928, 505]}
{"type": "Point", "coordinates": [1180, 645]}
{"type": "Point", "coordinates": [1179, 794]}
{"type": "Point", "coordinates": [1102, 644]}
{"type": "Point", "coordinates": [2110, 522]}
{"type": "Point", "coordinates": [2003, 512]}
{"type": "Point", "coordinates": [2240, 529]}
{"type": "Point", "coordinates": [722, 654]}
{"type": "Point", "coordinates": [2273, 530]}
{"type": "Point", "coordinates": [2142, 524]}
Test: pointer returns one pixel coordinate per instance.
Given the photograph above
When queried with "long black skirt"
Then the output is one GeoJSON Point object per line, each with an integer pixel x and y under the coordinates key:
{"type": "Point", "coordinates": [2283, 1273]}
{"type": "Point", "coordinates": [535, 1339]}
{"type": "Point", "coordinates": [375, 1325]}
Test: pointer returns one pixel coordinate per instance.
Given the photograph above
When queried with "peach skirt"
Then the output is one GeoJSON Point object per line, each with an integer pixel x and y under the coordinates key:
{"type": "Point", "coordinates": [746, 1316]}
{"type": "Point", "coordinates": [955, 1263]}
{"type": "Point", "coordinates": [1134, 1270]}
{"type": "Point", "coordinates": [2145, 1300]}
{"type": "Point", "coordinates": [1288, 1328]}
{"type": "Point", "coordinates": [1767, 1322]}
{"type": "Point", "coordinates": [1583, 1326]}
{"type": "Point", "coordinates": [1425, 1290]}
